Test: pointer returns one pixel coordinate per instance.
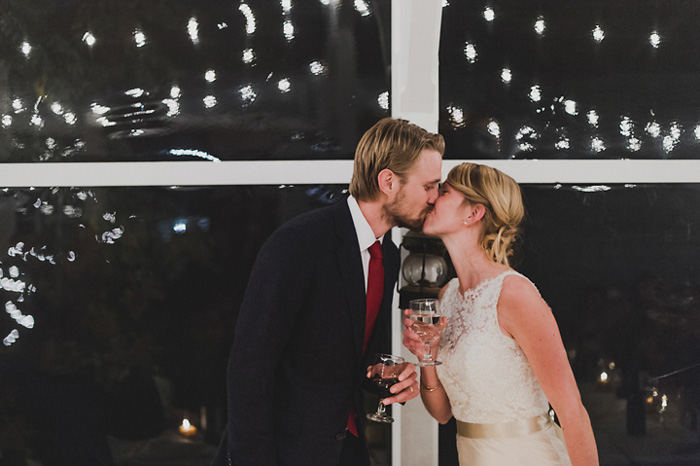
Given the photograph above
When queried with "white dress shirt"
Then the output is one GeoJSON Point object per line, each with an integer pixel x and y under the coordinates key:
{"type": "Point", "coordinates": [365, 235]}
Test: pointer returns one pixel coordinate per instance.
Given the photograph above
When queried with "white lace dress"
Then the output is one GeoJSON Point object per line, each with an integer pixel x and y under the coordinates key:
{"type": "Point", "coordinates": [489, 380]}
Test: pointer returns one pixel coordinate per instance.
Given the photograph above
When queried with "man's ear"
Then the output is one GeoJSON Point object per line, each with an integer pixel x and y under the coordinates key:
{"type": "Point", "coordinates": [388, 182]}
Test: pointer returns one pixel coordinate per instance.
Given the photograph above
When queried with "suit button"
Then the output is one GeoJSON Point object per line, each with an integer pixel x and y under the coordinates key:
{"type": "Point", "coordinates": [341, 436]}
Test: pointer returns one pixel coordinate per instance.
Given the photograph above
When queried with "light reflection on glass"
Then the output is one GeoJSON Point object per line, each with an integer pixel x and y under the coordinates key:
{"type": "Point", "coordinates": [209, 101]}
{"type": "Point", "coordinates": [597, 145]}
{"type": "Point", "coordinates": [592, 189]}
{"type": "Point", "coordinates": [494, 128]}
{"type": "Point", "coordinates": [249, 18]}
{"type": "Point", "coordinates": [175, 92]}
{"type": "Point", "coordinates": [286, 6]}
{"type": "Point", "coordinates": [626, 126]}
{"type": "Point", "coordinates": [284, 85]}
{"type": "Point", "coordinates": [36, 120]}
{"type": "Point", "coordinates": [10, 338]}
{"type": "Point", "coordinates": [89, 39]}
{"type": "Point", "coordinates": [506, 75]}
{"type": "Point", "coordinates": [6, 121]}
{"type": "Point", "coordinates": [563, 144]}
{"type": "Point", "coordinates": [135, 92]}
{"type": "Point", "coordinates": [325, 2]}
{"type": "Point", "coordinates": [488, 14]}
{"type": "Point", "coordinates": [470, 52]}
{"type": "Point", "coordinates": [194, 153]}
{"type": "Point", "coordinates": [655, 39]}
{"type": "Point", "coordinates": [70, 118]}
{"type": "Point", "coordinates": [598, 34]}
{"type": "Point", "coordinates": [535, 93]}
{"type": "Point", "coordinates": [99, 109]}
{"type": "Point", "coordinates": [18, 105]}
{"type": "Point", "coordinates": [383, 100]}
{"type": "Point", "coordinates": [26, 49]}
{"type": "Point", "coordinates": [288, 30]}
{"type": "Point", "coordinates": [653, 129]}
{"type": "Point", "coordinates": [57, 108]}
{"type": "Point", "coordinates": [445, 3]}
{"type": "Point", "coordinates": [634, 144]}
{"type": "Point", "coordinates": [540, 25]}
{"type": "Point", "coordinates": [210, 76]}
{"type": "Point", "coordinates": [456, 115]}
{"type": "Point", "coordinates": [173, 107]}
{"type": "Point", "coordinates": [317, 68]}
{"type": "Point", "coordinates": [571, 107]}
{"type": "Point", "coordinates": [593, 118]}
{"type": "Point", "coordinates": [697, 132]}
{"type": "Point", "coordinates": [222, 25]}
{"type": "Point", "coordinates": [362, 7]}
{"type": "Point", "coordinates": [193, 30]}
{"type": "Point", "coordinates": [247, 93]}
{"type": "Point", "coordinates": [248, 56]}
{"type": "Point", "coordinates": [139, 38]}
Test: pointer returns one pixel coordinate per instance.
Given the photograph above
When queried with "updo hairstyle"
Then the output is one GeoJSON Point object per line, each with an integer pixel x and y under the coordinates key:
{"type": "Point", "coordinates": [501, 197]}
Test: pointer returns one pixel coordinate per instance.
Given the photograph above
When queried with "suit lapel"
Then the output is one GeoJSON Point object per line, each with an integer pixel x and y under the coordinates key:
{"type": "Point", "coordinates": [350, 265]}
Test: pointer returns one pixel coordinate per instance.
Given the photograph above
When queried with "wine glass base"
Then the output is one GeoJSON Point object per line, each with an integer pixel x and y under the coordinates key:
{"type": "Point", "coordinates": [380, 418]}
{"type": "Point", "coordinates": [428, 363]}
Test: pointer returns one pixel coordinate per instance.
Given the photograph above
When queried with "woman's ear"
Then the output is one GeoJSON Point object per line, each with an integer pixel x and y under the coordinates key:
{"type": "Point", "coordinates": [478, 211]}
{"type": "Point", "coordinates": [388, 182]}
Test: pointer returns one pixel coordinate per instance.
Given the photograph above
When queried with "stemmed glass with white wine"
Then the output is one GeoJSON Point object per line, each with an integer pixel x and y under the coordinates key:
{"type": "Point", "coordinates": [384, 373]}
{"type": "Point", "coordinates": [426, 317]}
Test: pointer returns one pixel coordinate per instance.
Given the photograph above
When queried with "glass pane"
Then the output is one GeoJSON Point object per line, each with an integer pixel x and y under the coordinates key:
{"type": "Point", "coordinates": [120, 309]}
{"type": "Point", "coordinates": [574, 80]}
{"type": "Point", "coordinates": [91, 80]}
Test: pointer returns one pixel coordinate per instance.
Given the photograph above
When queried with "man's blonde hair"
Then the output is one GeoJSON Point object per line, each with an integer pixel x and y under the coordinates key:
{"type": "Point", "coordinates": [393, 144]}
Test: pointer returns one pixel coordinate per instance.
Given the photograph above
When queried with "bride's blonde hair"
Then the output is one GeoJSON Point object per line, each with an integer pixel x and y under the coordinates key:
{"type": "Point", "coordinates": [500, 195]}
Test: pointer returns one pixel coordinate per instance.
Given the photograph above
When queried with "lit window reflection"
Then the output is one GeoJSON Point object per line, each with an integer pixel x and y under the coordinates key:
{"type": "Point", "coordinates": [540, 25]}
{"type": "Point", "coordinates": [210, 76]}
{"type": "Point", "coordinates": [494, 128]}
{"type": "Point", "coordinates": [248, 93]}
{"type": "Point", "coordinates": [653, 129]}
{"type": "Point", "coordinates": [470, 52]}
{"type": "Point", "coordinates": [139, 38]}
{"type": "Point", "coordinates": [175, 92]}
{"type": "Point", "coordinates": [655, 39]}
{"type": "Point", "coordinates": [249, 18]}
{"type": "Point", "coordinates": [506, 75]}
{"type": "Point", "coordinates": [26, 48]}
{"type": "Point", "coordinates": [597, 145]}
{"type": "Point", "coordinates": [593, 118]}
{"type": "Point", "coordinates": [598, 33]}
{"type": "Point", "coordinates": [634, 144]}
{"type": "Point", "coordinates": [626, 126]}
{"type": "Point", "coordinates": [222, 25]}
{"type": "Point", "coordinates": [18, 105]}
{"type": "Point", "coordinates": [135, 92]}
{"type": "Point", "coordinates": [317, 68]}
{"type": "Point", "coordinates": [284, 85]}
{"type": "Point", "coordinates": [563, 144]}
{"type": "Point", "coordinates": [248, 56]}
{"type": "Point", "coordinates": [456, 115]}
{"type": "Point", "coordinates": [571, 107]}
{"type": "Point", "coordinates": [36, 120]}
{"type": "Point", "coordinates": [57, 108]}
{"type": "Point", "coordinates": [383, 100]}
{"type": "Point", "coordinates": [99, 109]}
{"type": "Point", "coordinates": [535, 93]}
{"type": "Point", "coordinates": [362, 7]}
{"type": "Point", "coordinates": [286, 6]}
{"type": "Point", "coordinates": [488, 14]}
{"type": "Point", "coordinates": [193, 30]}
{"type": "Point", "coordinates": [697, 132]}
{"type": "Point", "coordinates": [89, 39]}
{"type": "Point", "coordinates": [6, 121]}
{"type": "Point", "coordinates": [173, 107]}
{"type": "Point", "coordinates": [288, 29]}
{"type": "Point", "coordinates": [209, 101]}
{"type": "Point", "coordinates": [70, 118]}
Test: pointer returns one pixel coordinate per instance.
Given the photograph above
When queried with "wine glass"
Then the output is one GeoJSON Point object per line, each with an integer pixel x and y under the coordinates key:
{"type": "Point", "coordinates": [385, 370]}
{"type": "Point", "coordinates": [425, 317]}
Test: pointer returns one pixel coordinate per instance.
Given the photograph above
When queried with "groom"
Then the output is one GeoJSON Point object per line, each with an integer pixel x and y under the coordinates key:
{"type": "Point", "coordinates": [318, 306]}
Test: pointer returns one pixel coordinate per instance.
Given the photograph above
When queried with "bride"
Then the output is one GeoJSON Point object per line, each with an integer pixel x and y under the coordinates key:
{"type": "Point", "coordinates": [503, 357]}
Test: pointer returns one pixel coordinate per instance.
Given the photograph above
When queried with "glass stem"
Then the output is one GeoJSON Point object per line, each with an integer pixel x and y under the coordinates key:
{"type": "Point", "coordinates": [381, 409]}
{"type": "Point", "coordinates": [428, 355]}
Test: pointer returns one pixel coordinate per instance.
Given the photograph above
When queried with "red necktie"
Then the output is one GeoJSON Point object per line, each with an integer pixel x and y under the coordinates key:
{"type": "Point", "coordinates": [375, 292]}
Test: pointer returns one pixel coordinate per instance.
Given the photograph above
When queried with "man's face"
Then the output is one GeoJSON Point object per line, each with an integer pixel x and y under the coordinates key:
{"type": "Point", "coordinates": [417, 193]}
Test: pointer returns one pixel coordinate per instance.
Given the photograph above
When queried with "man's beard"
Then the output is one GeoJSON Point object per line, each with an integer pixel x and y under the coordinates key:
{"type": "Point", "coordinates": [397, 214]}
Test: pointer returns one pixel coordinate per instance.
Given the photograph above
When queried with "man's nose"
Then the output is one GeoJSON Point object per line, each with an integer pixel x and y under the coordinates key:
{"type": "Point", "coordinates": [434, 194]}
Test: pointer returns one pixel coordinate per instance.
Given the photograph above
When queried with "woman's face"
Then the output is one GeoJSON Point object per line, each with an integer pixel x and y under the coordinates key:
{"type": "Point", "coordinates": [449, 213]}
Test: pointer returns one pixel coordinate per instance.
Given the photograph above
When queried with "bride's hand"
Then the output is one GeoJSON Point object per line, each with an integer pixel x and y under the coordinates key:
{"type": "Point", "coordinates": [412, 341]}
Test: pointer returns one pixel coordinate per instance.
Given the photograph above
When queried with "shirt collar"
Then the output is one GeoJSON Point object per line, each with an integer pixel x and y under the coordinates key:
{"type": "Point", "coordinates": [365, 235]}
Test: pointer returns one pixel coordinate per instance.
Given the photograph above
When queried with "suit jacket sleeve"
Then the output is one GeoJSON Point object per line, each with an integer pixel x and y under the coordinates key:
{"type": "Point", "coordinates": [273, 299]}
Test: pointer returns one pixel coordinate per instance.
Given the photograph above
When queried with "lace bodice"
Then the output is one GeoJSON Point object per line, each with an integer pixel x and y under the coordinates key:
{"type": "Point", "coordinates": [485, 373]}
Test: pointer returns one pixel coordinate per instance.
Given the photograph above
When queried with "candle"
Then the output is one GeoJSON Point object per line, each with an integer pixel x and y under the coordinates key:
{"type": "Point", "coordinates": [187, 429]}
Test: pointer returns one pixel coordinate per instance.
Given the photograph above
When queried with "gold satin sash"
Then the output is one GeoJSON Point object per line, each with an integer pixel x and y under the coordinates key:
{"type": "Point", "coordinates": [504, 429]}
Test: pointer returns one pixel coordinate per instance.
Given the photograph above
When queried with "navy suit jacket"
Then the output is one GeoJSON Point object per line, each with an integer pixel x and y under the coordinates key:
{"type": "Point", "coordinates": [296, 364]}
